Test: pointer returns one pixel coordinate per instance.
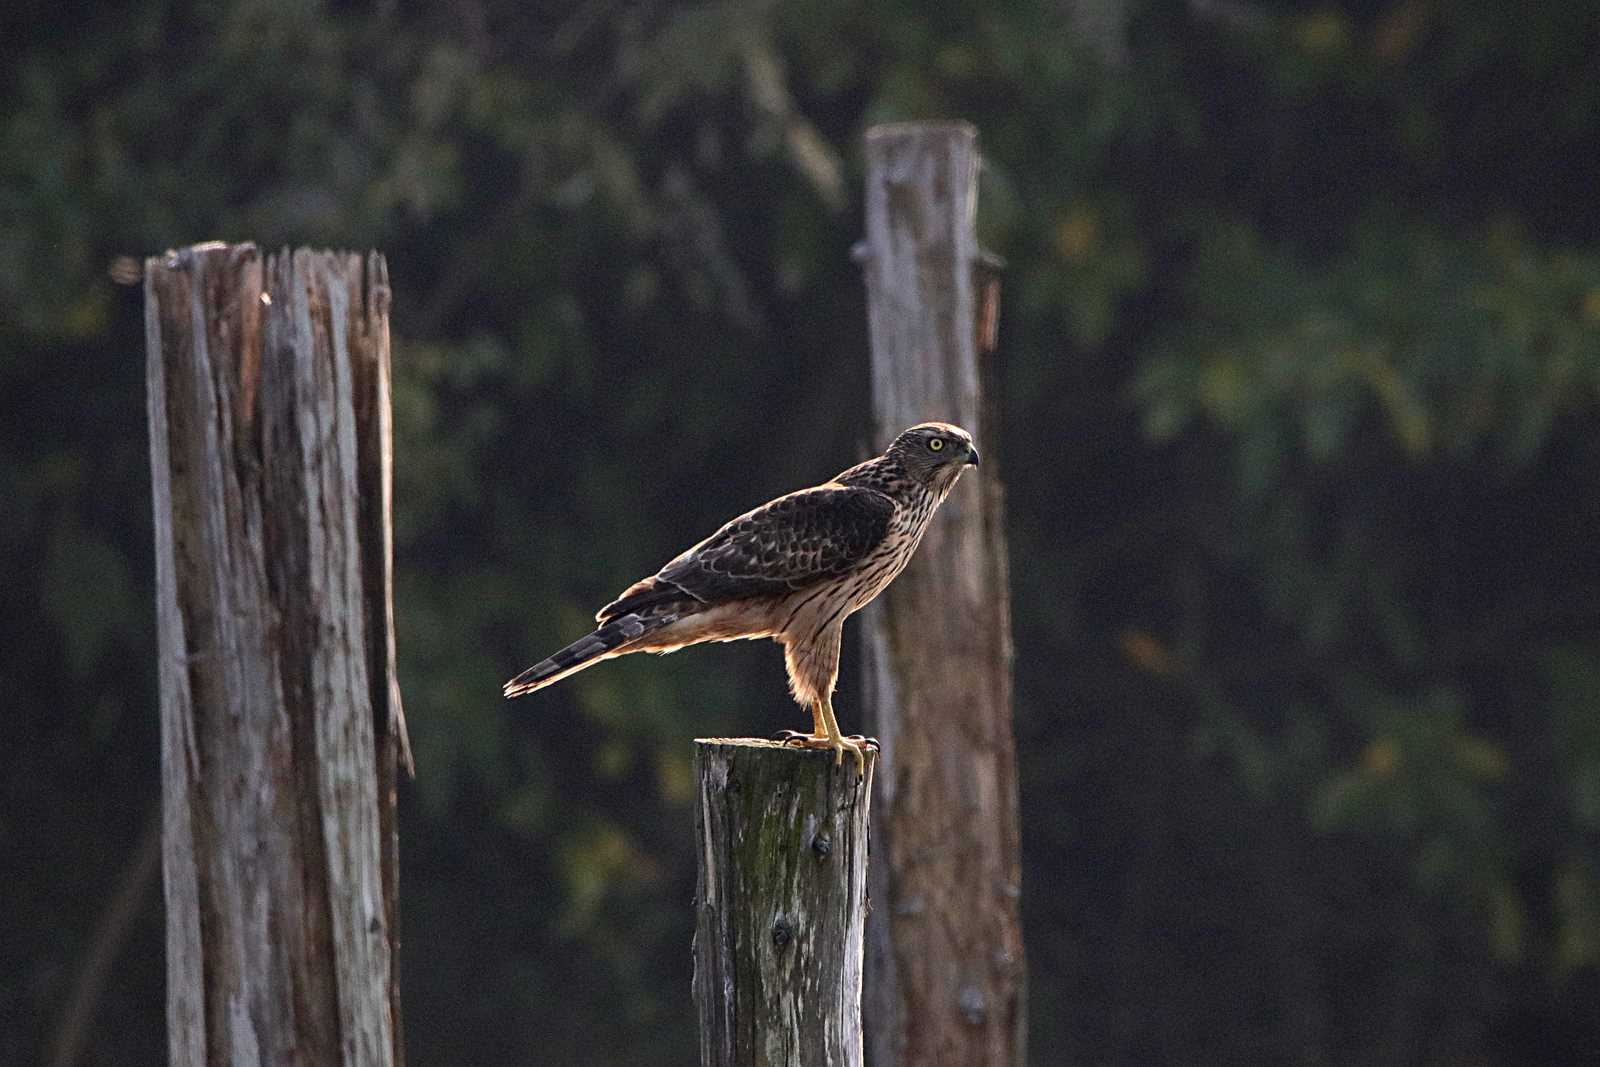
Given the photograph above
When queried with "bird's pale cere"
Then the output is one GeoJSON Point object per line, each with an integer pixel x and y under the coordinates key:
{"type": "Point", "coordinates": [792, 569]}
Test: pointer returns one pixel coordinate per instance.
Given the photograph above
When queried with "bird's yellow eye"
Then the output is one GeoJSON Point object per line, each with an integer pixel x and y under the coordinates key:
{"type": "Point", "coordinates": [936, 444]}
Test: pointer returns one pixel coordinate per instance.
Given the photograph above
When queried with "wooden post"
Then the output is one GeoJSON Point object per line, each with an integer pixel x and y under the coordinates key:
{"type": "Point", "coordinates": [281, 728]}
{"type": "Point", "coordinates": [781, 835]}
{"type": "Point", "coordinates": [946, 973]}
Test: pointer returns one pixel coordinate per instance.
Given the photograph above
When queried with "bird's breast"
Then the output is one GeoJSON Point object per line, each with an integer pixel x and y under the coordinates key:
{"type": "Point", "coordinates": [883, 565]}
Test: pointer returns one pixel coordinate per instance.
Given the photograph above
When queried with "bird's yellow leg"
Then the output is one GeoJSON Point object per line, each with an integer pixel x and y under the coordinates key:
{"type": "Point", "coordinates": [839, 742]}
{"type": "Point", "coordinates": [817, 738]}
{"type": "Point", "coordinates": [825, 733]}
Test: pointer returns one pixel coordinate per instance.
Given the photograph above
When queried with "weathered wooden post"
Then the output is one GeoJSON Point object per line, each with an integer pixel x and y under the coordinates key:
{"type": "Point", "coordinates": [945, 968]}
{"type": "Point", "coordinates": [781, 905]}
{"type": "Point", "coordinates": [281, 729]}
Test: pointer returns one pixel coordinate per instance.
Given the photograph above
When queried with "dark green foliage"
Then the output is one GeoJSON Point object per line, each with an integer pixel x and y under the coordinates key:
{"type": "Point", "coordinates": [1302, 358]}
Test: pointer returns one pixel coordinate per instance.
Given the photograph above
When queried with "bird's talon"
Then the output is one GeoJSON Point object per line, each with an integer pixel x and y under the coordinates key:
{"type": "Point", "coordinates": [854, 744]}
{"type": "Point", "coordinates": [800, 739]}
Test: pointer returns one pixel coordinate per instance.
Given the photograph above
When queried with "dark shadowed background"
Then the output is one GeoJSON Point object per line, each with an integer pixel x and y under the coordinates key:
{"type": "Point", "coordinates": [1301, 347]}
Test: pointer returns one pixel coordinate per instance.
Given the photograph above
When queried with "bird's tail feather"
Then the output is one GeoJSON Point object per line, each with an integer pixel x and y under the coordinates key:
{"type": "Point", "coordinates": [612, 639]}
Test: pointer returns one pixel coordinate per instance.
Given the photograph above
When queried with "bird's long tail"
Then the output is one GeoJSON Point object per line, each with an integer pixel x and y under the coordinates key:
{"type": "Point", "coordinates": [614, 638]}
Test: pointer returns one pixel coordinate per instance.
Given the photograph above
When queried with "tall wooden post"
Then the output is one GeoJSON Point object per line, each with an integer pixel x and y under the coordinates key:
{"type": "Point", "coordinates": [781, 836]}
{"type": "Point", "coordinates": [268, 391]}
{"type": "Point", "coordinates": [945, 969]}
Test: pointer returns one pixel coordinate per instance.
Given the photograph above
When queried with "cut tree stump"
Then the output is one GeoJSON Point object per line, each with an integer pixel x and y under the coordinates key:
{"type": "Point", "coordinates": [781, 908]}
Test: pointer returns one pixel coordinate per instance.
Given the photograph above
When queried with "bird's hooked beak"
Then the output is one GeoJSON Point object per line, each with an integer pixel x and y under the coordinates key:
{"type": "Point", "coordinates": [972, 455]}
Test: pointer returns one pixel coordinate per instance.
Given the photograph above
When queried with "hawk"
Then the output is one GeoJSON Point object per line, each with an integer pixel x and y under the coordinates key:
{"type": "Point", "coordinates": [793, 570]}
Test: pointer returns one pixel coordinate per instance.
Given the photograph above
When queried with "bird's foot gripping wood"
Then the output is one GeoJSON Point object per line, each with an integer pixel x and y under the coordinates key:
{"type": "Point", "coordinates": [855, 744]}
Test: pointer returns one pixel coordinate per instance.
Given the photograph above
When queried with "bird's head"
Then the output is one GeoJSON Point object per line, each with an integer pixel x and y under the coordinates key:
{"type": "Point", "coordinates": [935, 454]}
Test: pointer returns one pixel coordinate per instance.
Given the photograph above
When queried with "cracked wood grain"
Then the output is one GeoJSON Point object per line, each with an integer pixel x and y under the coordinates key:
{"type": "Point", "coordinates": [781, 836]}
{"type": "Point", "coordinates": [945, 968]}
{"type": "Point", "coordinates": [267, 388]}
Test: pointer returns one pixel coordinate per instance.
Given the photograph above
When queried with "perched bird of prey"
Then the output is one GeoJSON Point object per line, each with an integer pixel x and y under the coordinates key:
{"type": "Point", "coordinates": [793, 570]}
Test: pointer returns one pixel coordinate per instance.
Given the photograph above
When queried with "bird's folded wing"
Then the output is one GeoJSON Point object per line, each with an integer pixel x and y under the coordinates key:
{"type": "Point", "coordinates": [784, 545]}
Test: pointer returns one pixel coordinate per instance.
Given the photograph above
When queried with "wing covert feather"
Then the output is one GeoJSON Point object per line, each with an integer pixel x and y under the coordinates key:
{"type": "Point", "coordinates": [785, 545]}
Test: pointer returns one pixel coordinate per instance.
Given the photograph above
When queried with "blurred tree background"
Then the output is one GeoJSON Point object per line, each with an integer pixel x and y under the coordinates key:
{"type": "Point", "coordinates": [1301, 352]}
